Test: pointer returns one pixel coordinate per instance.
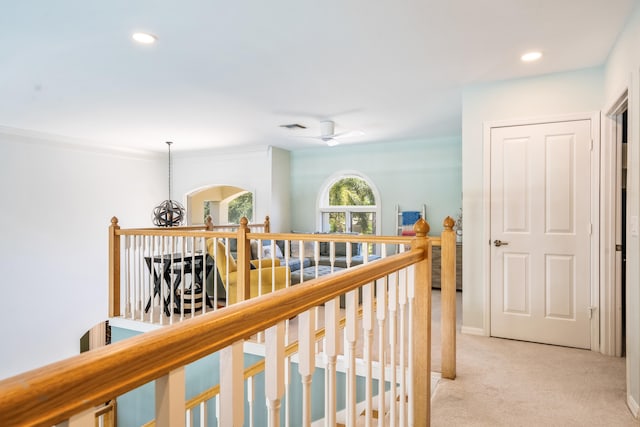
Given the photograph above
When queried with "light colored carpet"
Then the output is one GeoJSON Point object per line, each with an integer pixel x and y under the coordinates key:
{"type": "Point", "coordinates": [513, 383]}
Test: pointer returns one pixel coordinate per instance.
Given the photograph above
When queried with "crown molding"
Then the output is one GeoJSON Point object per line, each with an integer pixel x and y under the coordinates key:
{"type": "Point", "coordinates": [26, 136]}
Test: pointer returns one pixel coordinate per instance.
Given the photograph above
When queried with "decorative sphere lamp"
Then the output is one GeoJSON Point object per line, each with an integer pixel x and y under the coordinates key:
{"type": "Point", "coordinates": [168, 213]}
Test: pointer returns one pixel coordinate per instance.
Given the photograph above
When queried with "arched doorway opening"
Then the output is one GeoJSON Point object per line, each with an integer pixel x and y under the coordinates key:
{"type": "Point", "coordinates": [225, 203]}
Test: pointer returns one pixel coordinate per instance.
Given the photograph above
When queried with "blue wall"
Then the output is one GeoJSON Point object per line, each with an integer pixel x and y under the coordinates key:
{"type": "Point", "coordinates": [138, 406]}
{"type": "Point", "coordinates": [409, 174]}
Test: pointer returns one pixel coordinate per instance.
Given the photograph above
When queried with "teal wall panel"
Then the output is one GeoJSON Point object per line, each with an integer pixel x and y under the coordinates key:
{"type": "Point", "coordinates": [408, 174]}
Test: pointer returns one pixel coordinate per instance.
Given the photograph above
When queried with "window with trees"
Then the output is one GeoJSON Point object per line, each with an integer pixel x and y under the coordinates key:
{"type": "Point", "coordinates": [231, 209]}
{"type": "Point", "coordinates": [349, 205]}
{"type": "Point", "coordinates": [239, 207]}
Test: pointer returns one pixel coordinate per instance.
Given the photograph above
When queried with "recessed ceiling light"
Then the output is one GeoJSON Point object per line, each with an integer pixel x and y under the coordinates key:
{"type": "Point", "coordinates": [531, 56]}
{"type": "Point", "coordinates": [145, 38]}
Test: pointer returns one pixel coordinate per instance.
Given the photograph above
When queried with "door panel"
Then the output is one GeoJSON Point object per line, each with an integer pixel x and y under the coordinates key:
{"type": "Point", "coordinates": [516, 284]}
{"type": "Point", "coordinates": [540, 209]}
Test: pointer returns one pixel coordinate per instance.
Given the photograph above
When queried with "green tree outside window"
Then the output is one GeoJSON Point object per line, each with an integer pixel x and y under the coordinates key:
{"type": "Point", "coordinates": [239, 207]}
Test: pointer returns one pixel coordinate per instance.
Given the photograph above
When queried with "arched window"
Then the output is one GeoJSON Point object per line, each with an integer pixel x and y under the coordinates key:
{"type": "Point", "coordinates": [349, 203]}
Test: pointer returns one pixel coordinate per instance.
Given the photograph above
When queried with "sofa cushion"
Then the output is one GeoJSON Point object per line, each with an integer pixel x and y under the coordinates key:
{"type": "Point", "coordinates": [294, 263]}
{"type": "Point", "coordinates": [267, 251]}
{"type": "Point", "coordinates": [265, 243]}
{"type": "Point", "coordinates": [296, 245]}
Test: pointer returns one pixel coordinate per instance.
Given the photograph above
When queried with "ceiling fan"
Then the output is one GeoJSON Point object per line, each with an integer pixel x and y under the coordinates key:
{"type": "Point", "coordinates": [328, 134]}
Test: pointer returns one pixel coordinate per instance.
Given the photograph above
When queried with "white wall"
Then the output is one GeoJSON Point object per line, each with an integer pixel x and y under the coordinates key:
{"type": "Point", "coordinates": [247, 168]}
{"type": "Point", "coordinates": [280, 176]}
{"type": "Point", "coordinates": [623, 72]}
{"type": "Point", "coordinates": [556, 94]}
{"type": "Point", "coordinates": [57, 203]}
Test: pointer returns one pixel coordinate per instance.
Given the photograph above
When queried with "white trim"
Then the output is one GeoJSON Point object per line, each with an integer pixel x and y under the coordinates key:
{"type": "Point", "coordinates": [486, 231]}
{"type": "Point", "coordinates": [633, 406]}
{"type": "Point", "coordinates": [468, 330]}
{"type": "Point", "coordinates": [75, 144]}
{"type": "Point", "coordinates": [595, 230]}
{"type": "Point", "coordinates": [610, 327]}
{"type": "Point", "coordinates": [594, 118]}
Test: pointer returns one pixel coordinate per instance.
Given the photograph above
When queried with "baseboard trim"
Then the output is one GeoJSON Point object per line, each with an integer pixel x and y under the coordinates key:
{"type": "Point", "coordinates": [468, 330]}
{"type": "Point", "coordinates": [633, 406]}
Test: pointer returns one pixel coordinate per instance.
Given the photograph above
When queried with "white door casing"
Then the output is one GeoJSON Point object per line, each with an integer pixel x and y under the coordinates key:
{"type": "Point", "coordinates": [540, 205]}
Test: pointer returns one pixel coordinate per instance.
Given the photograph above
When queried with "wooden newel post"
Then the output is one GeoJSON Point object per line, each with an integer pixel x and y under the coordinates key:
{"type": "Point", "coordinates": [267, 224]}
{"type": "Point", "coordinates": [448, 299]}
{"type": "Point", "coordinates": [421, 319]}
{"type": "Point", "coordinates": [244, 256]}
{"type": "Point", "coordinates": [114, 268]}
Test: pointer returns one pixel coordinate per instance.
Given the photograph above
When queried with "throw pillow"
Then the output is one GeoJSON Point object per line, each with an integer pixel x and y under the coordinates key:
{"type": "Point", "coordinates": [266, 251]}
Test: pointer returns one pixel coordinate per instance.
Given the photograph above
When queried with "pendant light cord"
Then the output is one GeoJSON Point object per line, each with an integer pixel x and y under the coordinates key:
{"type": "Point", "coordinates": [169, 144]}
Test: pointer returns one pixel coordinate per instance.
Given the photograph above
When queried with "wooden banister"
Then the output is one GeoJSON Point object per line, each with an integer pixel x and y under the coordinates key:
{"type": "Point", "coordinates": [448, 299]}
{"type": "Point", "coordinates": [53, 393]}
{"type": "Point", "coordinates": [421, 337]}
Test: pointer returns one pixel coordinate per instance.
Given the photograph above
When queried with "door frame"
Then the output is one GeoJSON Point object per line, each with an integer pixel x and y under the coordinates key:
{"type": "Point", "coordinates": [610, 329]}
{"type": "Point", "coordinates": [594, 118]}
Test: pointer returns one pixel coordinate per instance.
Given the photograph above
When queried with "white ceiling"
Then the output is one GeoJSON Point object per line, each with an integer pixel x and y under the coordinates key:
{"type": "Point", "coordinates": [228, 73]}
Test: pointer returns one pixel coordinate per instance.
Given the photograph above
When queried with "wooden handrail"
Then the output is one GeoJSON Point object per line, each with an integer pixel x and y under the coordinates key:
{"type": "Point", "coordinates": [53, 393]}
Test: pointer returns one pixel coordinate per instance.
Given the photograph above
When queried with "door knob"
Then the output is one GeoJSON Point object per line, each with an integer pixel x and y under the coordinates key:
{"type": "Point", "coordinates": [499, 243]}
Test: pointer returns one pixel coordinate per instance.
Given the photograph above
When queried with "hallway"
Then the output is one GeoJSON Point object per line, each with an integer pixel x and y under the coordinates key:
{"type": "Point", "coordinates": [513, 383]}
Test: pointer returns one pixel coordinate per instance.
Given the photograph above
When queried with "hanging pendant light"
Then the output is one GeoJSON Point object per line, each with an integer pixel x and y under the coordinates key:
{"type": "Point", "coordinates": [169, 213]}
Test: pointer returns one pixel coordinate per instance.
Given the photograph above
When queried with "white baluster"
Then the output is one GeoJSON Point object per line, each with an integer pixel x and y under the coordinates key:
{"type": "Point", "coordinates": [274, 371]}
{"type": "Point", "coordinates": [287, 256]}
{"type": "Point", "coordinates": [350, 332]}
{"type": "Point", "coordinates": [365, 252]}
{"type": "Point", "coordinates": [170, 395]}
{"type": "Point", "coordinates": [231, 410]}
{"type": "Point", "coordinates": [183, 284]}
{"type": "Point", "coordinates": [205, 295]}
{"type": "Point", "coordinates": [402, 302]}
{"type": "Point", "coordinates": [306, 363]}
{"type": "Point", "coordinates": [139, 275]}
{"type": "Point", "coordinates": [331, 343]}
{"type": "Point", "coordinates": [381, 312]}
{"type": "Point", "coordinates": [217, 404]}
{"type": "Point", "coordinates": [367, 326]}
{"type": "Point", "coordinates": [287, 381]}
{"type": "Point", "coordinates": [250, 399]}
{"type": "Point", "coordinates": [203, 414]}
{"type": "Point", "coordinates": [135, 276]}
{"type": "Point", "coordinates": [161, 291]}
{"type": "Point", "coordinates": [332, 254]}
{"type": "Point", "coordinates": [152, 296]}
{"type": "Point", "coordinates": [127, 276]}
{"type": "Point", "coordinates": [393, 341]}
{"type": "Point", "coordinates": [172, 264]}
{"type": "Point", "coordinates": [214, 274]}
{"type": "Point", "coordinates": [410, 299]}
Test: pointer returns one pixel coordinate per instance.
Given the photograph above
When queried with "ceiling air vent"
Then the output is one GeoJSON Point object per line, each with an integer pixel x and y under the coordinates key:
{"type": "Point", "coordinates": [293, 126]}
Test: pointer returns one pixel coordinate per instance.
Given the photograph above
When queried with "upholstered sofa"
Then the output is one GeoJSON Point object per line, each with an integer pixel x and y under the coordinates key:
{"type": "Point", "coordinates": [304, 267]}
{"type": "Point", "coordinates": [261, 279]}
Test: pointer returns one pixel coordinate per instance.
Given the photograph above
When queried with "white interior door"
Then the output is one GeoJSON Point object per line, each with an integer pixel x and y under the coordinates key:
{"type": "Point", "coordinates": [540, 233]}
